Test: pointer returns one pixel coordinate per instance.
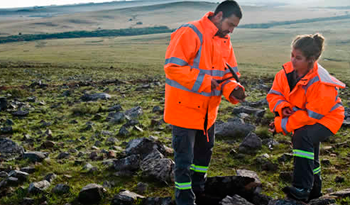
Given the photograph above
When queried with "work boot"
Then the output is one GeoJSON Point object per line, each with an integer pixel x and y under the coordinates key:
{"type": "Point", "coordinates": [316, 189]}
{"type": "Point", "coordinates": [297, 193]}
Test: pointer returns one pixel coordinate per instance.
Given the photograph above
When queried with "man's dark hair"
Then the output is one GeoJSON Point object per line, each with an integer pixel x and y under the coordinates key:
{"type": "Point", "coordinates": [228, 8]}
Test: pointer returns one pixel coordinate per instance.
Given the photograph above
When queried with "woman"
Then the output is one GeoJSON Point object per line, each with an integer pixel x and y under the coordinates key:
{"type": "Point", "coordinates": [304, 97]}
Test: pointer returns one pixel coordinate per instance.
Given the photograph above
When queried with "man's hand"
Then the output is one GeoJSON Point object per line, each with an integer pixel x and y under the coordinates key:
{"type": "Point", "coordinates": [286, 112]}
{"type": "Point", "coordinates": [214, 84]}
{"type": "Point", "coordinates": [272, 127]}
{"type": "Point", "coordinates": [238, 93]}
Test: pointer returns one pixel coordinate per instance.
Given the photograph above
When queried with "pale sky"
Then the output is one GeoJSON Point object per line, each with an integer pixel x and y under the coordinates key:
{"type": "Point", "coordinates": [29, 3]}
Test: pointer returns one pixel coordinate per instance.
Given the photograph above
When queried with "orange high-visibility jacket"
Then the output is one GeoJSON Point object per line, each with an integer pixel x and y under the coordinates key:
{"type": "Point", "coordinates": [314, 99]}
{"type": "Point", "coordinates": [195, 56]}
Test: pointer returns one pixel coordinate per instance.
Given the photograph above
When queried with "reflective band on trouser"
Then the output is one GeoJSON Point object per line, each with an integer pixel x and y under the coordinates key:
{"type": "Point", "coordinates": [183, 186]}
{"type": "Point", "coordinates": [303, 154]}
{"type": "Point", "coordinates": [317, 170]}
{"type": "Point", "coordinates": [197, 168]}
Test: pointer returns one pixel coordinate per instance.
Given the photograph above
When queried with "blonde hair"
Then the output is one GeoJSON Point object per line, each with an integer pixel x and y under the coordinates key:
{"type": "Point", "coordinates": [310, 45]}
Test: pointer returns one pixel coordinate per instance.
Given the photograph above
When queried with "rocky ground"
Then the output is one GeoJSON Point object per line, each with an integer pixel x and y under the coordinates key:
{"type": "Point", "coordinates": [105, 142]}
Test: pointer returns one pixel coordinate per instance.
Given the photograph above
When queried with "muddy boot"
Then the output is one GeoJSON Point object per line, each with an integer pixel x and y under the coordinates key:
{"type": "Point", "coordinates": [316, 189]}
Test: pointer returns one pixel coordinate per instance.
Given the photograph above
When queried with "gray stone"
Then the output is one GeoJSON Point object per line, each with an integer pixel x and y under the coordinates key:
{"type": "Point", "coordinates": [157, 109]}
{"type": "Point", "coordinates": [131, 163]}
{"type": "Point", "coordinates": [61, 189]}
{"type": "Point", "coordinates": [248, 173]}
{"type": "Point", "coordinates": [156, 166]}
{"type": "Point", "coordinates": [112, 141]}
{"type": "Point", "coordinates": [134, 112]}
{"type": "Point", "coordinates": [158, 201]}
{"type": "Point", "coordinates": [20, 113]}
{"type": "Point", "coordinates": [87, 166]}
{"type": "Point", "coordinates": [28, 201]}
{"type": "Point", "coordinates": [123, 131]}
{"type": "Point", "coordinates": [22, 176]}
{"type": "Point", "coordinates": [341, 194]}
{"type": "Point", "coordinates": [38, 187]}
{"type": "Point", "coordinates": [143, 146]}
{"type": "Point", "coordinates": [233, 129]}
{"type": "Point", "coordinates": [116, 118]}
{"type": "Point", "coordinates": [126, 198]}
{"type": "Point", "coordinates": [9, 148]}
{"type": "Point", "coordinates": [95, 97]}
{"type": "Point", "coordinates": [251, 143]}
{"type": "Point", "coordinates": [9, 122]}
{"type": "Point", "coordinates": [3, 103]}
{"type": "Point", "coordinates": [91, 194]}
{"type": "Point", "coordinates": [285, 158]}
{"type": "Point", "coordinates": [141, 187]}
{"type": "Point", "coordinates": [116, 108]}
{"type": "Point", "coordinates": [248, 110]}
{"type": "Point", "coordinates": [29, 170]}
{"type": "Point", "coordinates": [235, 200]}
{"type": "Point", "coordinates": [4, 174]}
{"type": "Point", "coordinates": [50, 177]}
{"type": "Point", "coordinates": [34, 156]}
{"type": "Point", "coordinates": [6, 130]}
{"type": "Point", "coordinates": [63, 155]}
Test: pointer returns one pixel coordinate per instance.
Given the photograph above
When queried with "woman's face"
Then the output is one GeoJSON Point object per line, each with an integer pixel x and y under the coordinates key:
{"type": "Point", "coordinates": [299, 61]}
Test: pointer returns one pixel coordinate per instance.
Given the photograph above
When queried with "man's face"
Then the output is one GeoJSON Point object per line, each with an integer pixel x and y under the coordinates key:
{"type": "Point", "coordinates": [227, 25]}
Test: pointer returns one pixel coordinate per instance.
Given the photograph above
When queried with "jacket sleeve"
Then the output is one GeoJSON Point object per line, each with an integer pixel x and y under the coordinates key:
{"type": "Point", "coordinates": [275, 97]}
{"type": "Point", "coordinates": [228, 86]}
{"type": "Point", "coordinates": [320, 100]}
{"type": "Point", "coordinates": [181, 52]}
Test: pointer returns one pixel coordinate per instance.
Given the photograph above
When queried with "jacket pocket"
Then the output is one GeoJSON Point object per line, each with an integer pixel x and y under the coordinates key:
{"type": "Point", "coordinates": [191, 101]}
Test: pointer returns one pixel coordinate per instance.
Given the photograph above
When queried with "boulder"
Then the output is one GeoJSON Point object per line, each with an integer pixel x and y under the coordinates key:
{"type": "Point", "coordinates": [9, 148]}
{"type": "Point", "coordinates": [235, 200]}
{"type": "Point", "coordinates": [233, 129]}
{"type": "Point", "coordinates": [91, 194]}
{"type": "Point", "coordinates": [95, 97]}
{"type": "Point", "coordinates": [250, 144]}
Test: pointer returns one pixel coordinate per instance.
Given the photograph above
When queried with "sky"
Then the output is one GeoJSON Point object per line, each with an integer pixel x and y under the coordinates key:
{"type": "Point", "coordinates": [29, 3]}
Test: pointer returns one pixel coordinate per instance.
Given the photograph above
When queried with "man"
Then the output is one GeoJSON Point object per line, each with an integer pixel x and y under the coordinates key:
{"type": "Point", "coordinates": [195, 63]}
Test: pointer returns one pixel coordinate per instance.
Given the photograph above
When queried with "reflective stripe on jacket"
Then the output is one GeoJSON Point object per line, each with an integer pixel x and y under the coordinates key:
{"type": "Point", "coordinates": [314, 99]}
{"type": "Point", "coordinates": [195, 56]}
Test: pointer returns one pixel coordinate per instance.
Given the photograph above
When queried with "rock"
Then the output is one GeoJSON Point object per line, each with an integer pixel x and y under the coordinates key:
{"type": "Point", "coordinates": [115, 108]}
{"type": "Point", "coordinates": [260, 199]}
{"type": "Point", "coordinates": [341, 194]}
{"type": "Point", "coordinates": [61, 189]}
{"type": "Point", "coordinates": [346, 124]}
{"type": "Point", "coordinates": [3, 174]}
{"type": "Point", "coordinates": [251, 143]}
{"type": "Point", "coordinates": [95, 97]}
{"type": "Point", "coordinates": [9, 122]}
{"type": "Point", "coordinates": [48, 144]}
{"type": "Point", "coordinates": [130, 163]}
{"type": "Point", "coordinates": [123, 131]}
{"type": "Point", "coordinates": [156, 166]}
{"type": "Point", "coordinates": [66, 93]}
{"type": "Point", "coordinates": [250, 174]}
{"type": "Point", "coordinates": [31, 99]}
{"type": "Point", "coordinates": [9, 148]}
{"type": "Point", "coordinates": [20, 113]}
{"type": "Point", "coordinates": [27, 201]}
{"type": "Point", "coordinates": [141, 187]}
{"type": "Point", "coordinates": [50, 177]}
{"type": "Point", "coordinates": [126, 198]}
{"type": "Point", "coordinates": [322, 201]}
{"type": "Point", "coordinates": [286, 176]}
{"type": "Point", "coordinates": [112, 141]}
{"type": "Point", "coordinates": [233, 129]}
{"type": "Point", "coordinates": [158, 201]}
{"type": "Point", "coordinates": [285, 202]}
{"type": "Point", "coordinates": [98, 143]}
{"type": "Point", "coordinates": [29, 170]}
{"type": "Point", "coordinates": [235, 200]}
{"type": "Point", "coordinates": [91, 194]}
{"type": "Point", "coordinates": [270, 143]}
{"type": "Point", "coordinates": [116, 118]}
{"type": "Point", "coordinates": [326, 162]}
{"type": "Point", "coordinates": [339, 179]}
{"type": "Point", "coordinates": [134, 112]}
{"type": "Point", "coordinates": [6, 130]}
{"type": "Point", "coordinates": [87, 166]}
{"type": "Point", "coordinates": [138, 129]}
{"type": "Point", "coordinates": [3, 103]}
{"type": "Point", "coordinates": [22, 176]}
{"type": "Point", "coordinates": [63, 155]}
{"type": "Point", "coordinates": [12, 181]}
{"type": "Point", "coordinates": [38, 187]}
{"type": "Point", "coordinates": [144, 146]}
{"type": "Point", "coordinates": [265, 164]}
{"type": "Point", "coordinates": [157, 109]}
{"type": "Point", "coordinates": [285, 158]}
{"type": "Point", "coordinates": [248, 110]}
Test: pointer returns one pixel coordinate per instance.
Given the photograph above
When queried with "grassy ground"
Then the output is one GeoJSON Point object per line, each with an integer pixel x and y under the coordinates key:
{"type": "Point", "coordinates": [136, 61]}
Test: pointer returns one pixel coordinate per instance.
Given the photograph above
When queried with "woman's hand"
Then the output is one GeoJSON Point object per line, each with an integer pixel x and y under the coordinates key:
{"type": "Point", "coordinates": [286, 112]}
{"type": "Point", "coordinates": [272, 127]}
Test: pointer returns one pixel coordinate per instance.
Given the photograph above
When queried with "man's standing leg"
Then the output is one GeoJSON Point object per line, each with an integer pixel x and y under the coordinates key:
{"type": "Point", "coordinates": [202, 154]}
{"type": "Point", "coordinates": [183, 143]}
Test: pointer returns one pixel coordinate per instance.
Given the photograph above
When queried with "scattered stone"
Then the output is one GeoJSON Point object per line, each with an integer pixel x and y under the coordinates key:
{"type": "Point", "coordinates": [61, 189]}
{"type": "Point", "coordinates": [48, 144]}
{"type": "Point", "coordinates": [22, 176]}
{"type": "Point", "coordinates": [156, 166]}
{"type": "Point", "coordinates": [98, 143]}
{"type": "Point", "coordinates": [123, 131]}
{"type": "Point", "coordinates": [9, 122]}
{"type": "Point", "coordinates": [63, 155]}
{"type": "Point", "coordinates": [115, 108]}
{"type": "Point", "coordinates": [91, 194]}
{"type": "Point", "coordinates": [235, 200]}
{"type": "Point", "coordinates": [20, 113]}
{"type": "Point", "coordinates": [144, 146]}
{"type": "Point", "coordinates": [3, 174]}
{"type": "Point", "coordinates": [265, 164]}
{"type": "Point", "coordinates": [157, 109]}
{"type": "Point", "coordinates": [134, 112]}
{"type": "Point", "coordinates": [339, 179]}
{"type": "Point", "coordinates": [125, 198]}
{"type": "Point", "coordinates": [38, 187]}
{"type": "Point", "coordinates": [112, 141]}
{"type": "Point", "coordinates": [27, 201]}
{"type": "Point", "coordinates": [87, 166]}
{"type": "Point", "coordinates": [285, 158]}
{"type": "Point", "coordinates": [138, 129]}
{"type": "Point", "coordinates": [341, 194]}
{"type": "Point", "coordinates": [95, 97]}
{"type": "Point", "coordinates": [50, 177]}
{"type": "Point", "coordinates": [233, 129]}
{"type": "Point", "coordinates": [141, 188]}
{"type": "Point", "coordinates": [251, 143]}
{"type": "Point", "coordinates": [249, 111]}
{"type": "Point", "coordinates": [3, 103]}
{"type": "Point", "coordinates": [6, 130]}
{"type": "Point", "coordinates": [131, 163]}
{"type": "Point", "coordinates": [116, 118]}
{"type": "Point", "coordinates": [34, 156]}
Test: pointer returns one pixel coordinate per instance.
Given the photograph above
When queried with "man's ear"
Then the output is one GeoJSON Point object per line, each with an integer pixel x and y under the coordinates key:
{"type": "Point", "coordinates": [218, 16]}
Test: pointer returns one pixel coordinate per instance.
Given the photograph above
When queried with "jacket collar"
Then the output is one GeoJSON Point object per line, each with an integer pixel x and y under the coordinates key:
{"type": "Point", "coordinates": [288, 67]}
{"type": "Point", "coordinates": [208, 26]}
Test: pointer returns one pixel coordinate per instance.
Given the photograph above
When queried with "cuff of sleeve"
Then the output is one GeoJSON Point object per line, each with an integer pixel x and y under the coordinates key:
{"type": "Point", "coordinates": [283, 105]}
{"type": "Point", "coordinates": [227, 90]}
{"type": "Point", "coordinates": [279, 125]}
